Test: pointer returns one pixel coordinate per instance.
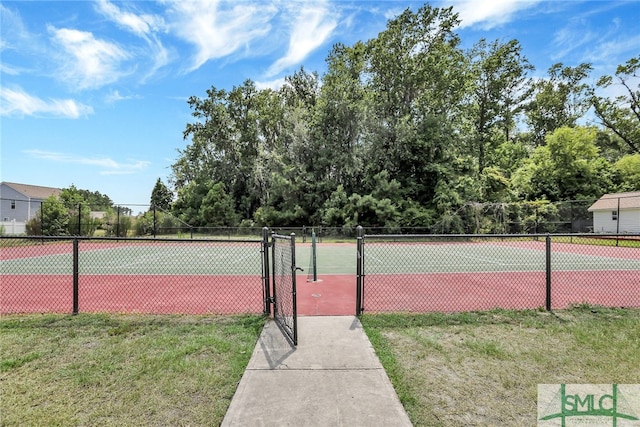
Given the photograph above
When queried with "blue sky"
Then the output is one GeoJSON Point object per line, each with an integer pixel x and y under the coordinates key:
{"type": "Point", "coordinates": [94, 93]}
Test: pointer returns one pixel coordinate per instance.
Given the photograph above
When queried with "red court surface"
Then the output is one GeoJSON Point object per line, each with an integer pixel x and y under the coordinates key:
{"type": "Point", "coordinates": [331, 295]}
{"type": "Point", "coordinates": [157, 294]}
{"type": "Point", "coordinates": [454, 292]}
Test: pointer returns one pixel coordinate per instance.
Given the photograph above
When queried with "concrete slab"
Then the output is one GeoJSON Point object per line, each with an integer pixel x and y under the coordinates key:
{"type": "Point", "coordinates": [333, 378]}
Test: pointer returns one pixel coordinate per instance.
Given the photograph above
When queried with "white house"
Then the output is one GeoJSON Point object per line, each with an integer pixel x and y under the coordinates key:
{"type": "Point", "coordinates": [19, 203]}
{"type": "Point", "coordinates": [617, 213]}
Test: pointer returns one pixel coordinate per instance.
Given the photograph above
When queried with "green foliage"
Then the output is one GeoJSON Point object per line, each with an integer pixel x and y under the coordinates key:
{"type": "Point", "coordinates": [158, 223]}
{"type": "Point", "coordinates": [96, 200]}
{"type": "Point", "coordinates": [161, 196]}
{"type": "Point", "coordinates": [498, 88]}
{"type": "Point", "coordinates": [560, 100]}
{"type": "Point", "coordinates": [70, 213]}
{"type": "Point", "coordinates": [405, 129]}
{"type": "Point", "coordinates": [568, 167]}
{"type": "Point", "coordinates": [205, 205]}
{"type": "Point", "coordinates": [217, 207]}
{"type": "Point", "coordinates": [629, 169]}
{"type": "Point", "coordinates": [52, 219]}
{"type": "Point", "coordinates": [620, 114]}
{"type": "Point", "coordinates": [80, 220]}
{"type": "Point", "coordinates": [117, 223]}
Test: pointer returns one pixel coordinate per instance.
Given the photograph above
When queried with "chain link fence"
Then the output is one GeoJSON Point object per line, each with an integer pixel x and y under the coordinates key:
{"type": "Point", "coordinates": [54, 219]}
{"type": "Point", "coordinates": [284, 285]}
{"type": "Point", "coordinates": [394, 273]}
{"type": "Point", "coordinates": [134, 275]}
{"type": "Point", "coordinates": [449, 273]}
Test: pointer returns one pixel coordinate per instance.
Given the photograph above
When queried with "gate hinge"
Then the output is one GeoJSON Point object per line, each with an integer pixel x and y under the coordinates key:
{"type": "Point", "coordinates": [271, 300]}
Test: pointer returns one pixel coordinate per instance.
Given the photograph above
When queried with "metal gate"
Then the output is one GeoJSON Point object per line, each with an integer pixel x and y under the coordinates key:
{"type": "Point", "coordinates": [284, 284]}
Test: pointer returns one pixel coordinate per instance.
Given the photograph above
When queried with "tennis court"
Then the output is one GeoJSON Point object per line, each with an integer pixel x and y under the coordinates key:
{"type": "Point", "coordinates": [145, 277]}
{"type": "Point", "coordinates": [199, 277]}
{"type": "Point", "coordinates": [510, 274]}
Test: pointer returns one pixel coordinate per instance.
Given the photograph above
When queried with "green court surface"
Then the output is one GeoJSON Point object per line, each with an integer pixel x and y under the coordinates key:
{"type": "Point", "coordinates": [144, 259]}
{"type": "Point", "coordinates": [340, 258]}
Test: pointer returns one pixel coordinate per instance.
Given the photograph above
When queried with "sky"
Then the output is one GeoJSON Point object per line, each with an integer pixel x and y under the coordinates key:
{"type": "Point", "coordinates": [94, 93]}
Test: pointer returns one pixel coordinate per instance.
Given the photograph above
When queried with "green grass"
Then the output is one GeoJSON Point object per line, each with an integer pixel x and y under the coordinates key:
{"type": "Point", "coordinates": [483, 368]}
{"type": "Point", "coordinates": [95, 369]}
{"type": "Point", "coordinates": [598, 241]}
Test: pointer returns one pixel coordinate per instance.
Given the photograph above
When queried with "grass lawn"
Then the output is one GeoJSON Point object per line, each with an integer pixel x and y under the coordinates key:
{"type": "Point", "coordinates": [461, 369]}
{"type": "Point", "coordinates": [481, 369]}
{"type": "Point", "coordinates": [95, 369]}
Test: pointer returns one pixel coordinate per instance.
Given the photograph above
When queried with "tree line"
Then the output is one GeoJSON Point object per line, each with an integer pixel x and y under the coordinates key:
{"type": "Point", "coordinates": [70, 213]}
{"type": "Point", "coordinates": [404, 130]}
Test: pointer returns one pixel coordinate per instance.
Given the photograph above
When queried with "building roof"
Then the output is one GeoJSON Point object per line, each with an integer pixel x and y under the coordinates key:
{"type": "Point", "coordinates": [33, 191]}
{"type": "Point", "coordinates": [610, 202]}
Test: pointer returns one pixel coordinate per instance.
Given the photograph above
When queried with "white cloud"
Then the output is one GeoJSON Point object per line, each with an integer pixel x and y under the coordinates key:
{"type": "Point", "coordinates": [17, 102]}
{"type": "Point", "coordinates": [140, 25]}
{"type": "Point", "coordinates": [488, 14]}
{"type": "Point", "coordinates": [89, 62]}
{"type": "Point", "coordinates": [392, 13]}
{"type": "Point", "coordinates": [145, 26]}
{"type": "Point", "coordinates": [108, 165]}
{"type": "Point", "coordinates": [313, 25]}
{"type": "Point", "coordinates": [569, 39]}
{"type": "Point", "coordinates": [218, 29]}
{"type": "Point", "coordinates": [271, 84]}
{"type": "Point", "coordinates": [115, 96]}
{"type": "Point", "coordinates": [612, 49]}
{"type": "Point", "coordinates": [12, 28]}
{"type": "Point", "coordinates": [11, 70]}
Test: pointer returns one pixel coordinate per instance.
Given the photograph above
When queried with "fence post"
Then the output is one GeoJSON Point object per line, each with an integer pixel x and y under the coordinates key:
{"type": "Point", "coordinates": [294, 270]}
{"type": "Point", "coordinates": [359, 265]}
{"type": "Point", "coordinates": [41, 220]}
{"type": "Point", "coordinates": [76, 269]}
{"type": "Point", "coordinates": [548, 272]}
{"type": "Point", "coordinates": [314, 259]}
{"type": "Point", "coordinates": [155, 224]}
{"type": "Point", "coordinates": [618, 224]}
{"type": "Point", "coordinates": [118, 222]}
{"type": "Point", "coordinates": [266, 277]}
{"type": "Point", "coordinates": [79, 219]}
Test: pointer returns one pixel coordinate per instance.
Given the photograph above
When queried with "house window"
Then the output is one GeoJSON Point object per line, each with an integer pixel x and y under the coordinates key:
{"type": "Point", "coordinates": [13, 204]}
{"type": "Point", "coordinates": [614, 215]}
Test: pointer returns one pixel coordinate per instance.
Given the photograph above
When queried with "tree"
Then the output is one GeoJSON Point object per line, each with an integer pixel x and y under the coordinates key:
{"type": "Point", "coordinates": [161, 196]}
{"type": "Point", "coordinates": [217, 208]}
{"type": "Point", "coordinates": [629, 169]}
{"type": "Point", "coordinates": [414, 87]}
{"type": "Point", "coordinates": [498, 80]}
{"type": "Point", "coordinates": [337, 126]}
{"type": "Point", "coordinates": [51, 220]}
{"type": "Point", "coordinates": [80, 220]}
{"type": "Point", "coordinates": [559, 100]}
{"type": "Point", "coordinates": [96, 200]}
{"type": "Point", "coordinates": [622, 113]}
{"type": "Point", "coordinates": [567, 167]}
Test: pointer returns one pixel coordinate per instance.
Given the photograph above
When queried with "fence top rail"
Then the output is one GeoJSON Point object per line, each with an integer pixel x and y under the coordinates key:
{"type": "Point", "coordinates": [130, 239]}
{"type": "Point", "coordinates": [500, 236]}
{"type": "Point", "coordinates": [283, 236]}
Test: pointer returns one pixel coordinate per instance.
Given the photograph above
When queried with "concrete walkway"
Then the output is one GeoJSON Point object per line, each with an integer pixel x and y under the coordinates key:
{"type": "Point", "coordinates": [333, 378]}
